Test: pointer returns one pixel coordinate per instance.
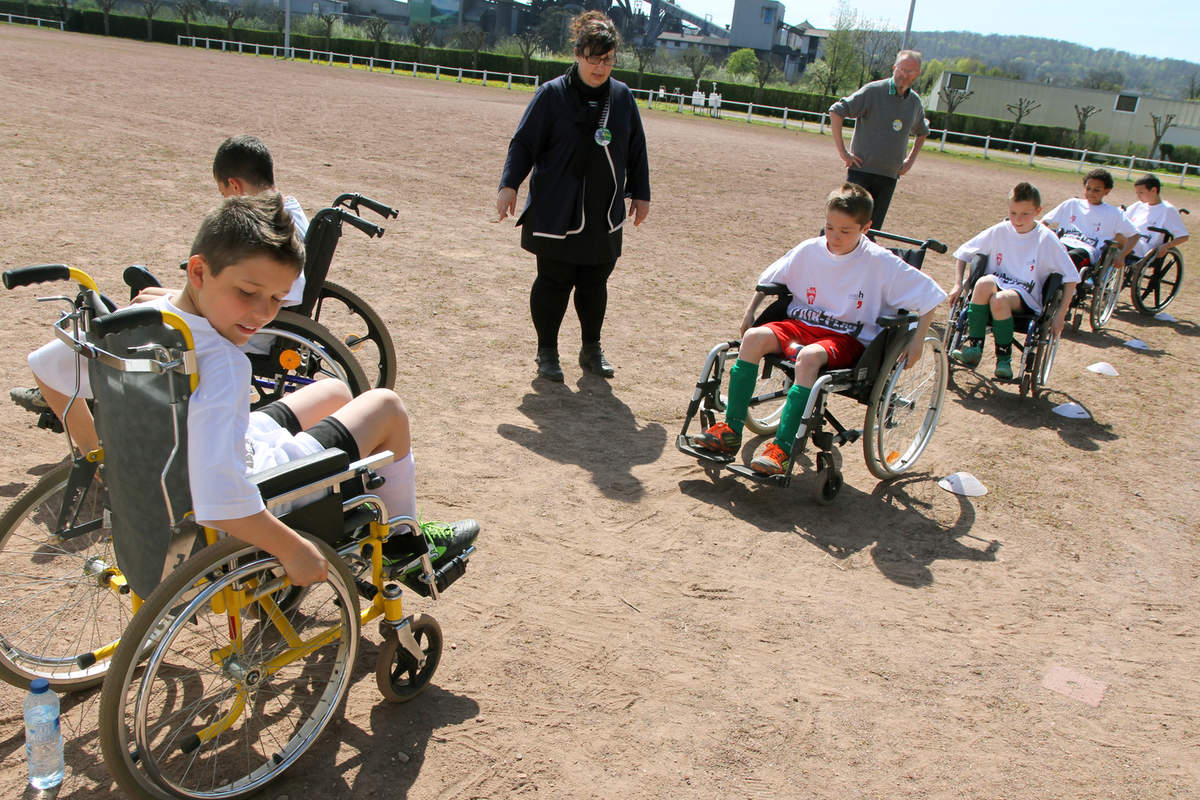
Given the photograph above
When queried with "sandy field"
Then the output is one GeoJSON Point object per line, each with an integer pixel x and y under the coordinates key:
{"type": "Point", "coordinates": [630, 627]}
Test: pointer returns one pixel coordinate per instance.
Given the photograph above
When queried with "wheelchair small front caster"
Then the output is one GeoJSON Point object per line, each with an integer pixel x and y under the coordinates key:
{"type": "Point", "coordinates": [829, 477]}
{"type": "Point", "coordinates": [408, 657]}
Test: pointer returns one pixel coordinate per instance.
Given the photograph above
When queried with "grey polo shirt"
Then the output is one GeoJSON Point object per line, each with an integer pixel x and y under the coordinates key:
{"type": "Point", "coordinates": [883, 122]}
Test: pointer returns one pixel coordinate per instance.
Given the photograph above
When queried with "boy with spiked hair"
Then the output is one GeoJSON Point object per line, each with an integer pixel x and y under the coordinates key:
{"type": "Point", "coordinates": [1021, 255]}
{"type": "Point", "coordinates": [840, 283]}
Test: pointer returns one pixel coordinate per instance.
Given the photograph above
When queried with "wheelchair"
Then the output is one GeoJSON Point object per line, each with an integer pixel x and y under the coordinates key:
{"type": "Point", "coordinates": [1040, 344]}
{"type": "Point", "coordinates": [1154, 282]}
{"type": "Point", "coordinates": [903, 406]}
{"type": "Point", "coordinates": [1098, 289]}
{"type": "Point", "coordinates": [218, 674]}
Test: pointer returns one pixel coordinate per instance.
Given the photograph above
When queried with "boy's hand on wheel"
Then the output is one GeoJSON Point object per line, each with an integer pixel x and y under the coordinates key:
{"type": "Point", "coordinates": [913, 354]}
{"type": "Point", "coordinates": [305, 564]}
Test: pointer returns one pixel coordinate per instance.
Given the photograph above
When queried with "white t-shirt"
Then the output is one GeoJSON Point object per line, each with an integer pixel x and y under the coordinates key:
{"type": "Point", "coordinates": [227, 443]}
{"type": "Point", "coordinates": [1160, 215]}
{"type": "Point", "coordinates": [847, 293]}
{"type": "Point", "coordinates": [1087, 226]}
{"type": "Point", "coordinates": [292, 206]}
{"type": "Point", "coordinates": [1021, 261]}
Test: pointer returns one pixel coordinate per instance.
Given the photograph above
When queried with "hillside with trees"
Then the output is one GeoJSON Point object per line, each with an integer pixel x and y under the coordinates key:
{"type": "Point", "coordinates": [1062, 63]}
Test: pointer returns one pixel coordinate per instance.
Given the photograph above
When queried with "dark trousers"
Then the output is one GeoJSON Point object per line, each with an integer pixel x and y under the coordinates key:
{"type": "Point", "coordinates": [552, 289]}
{"type": "Point", "coordinates": [881, 188]}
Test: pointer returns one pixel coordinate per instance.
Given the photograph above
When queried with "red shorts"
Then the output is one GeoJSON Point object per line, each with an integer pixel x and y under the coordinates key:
{"type": "Point", "coordinates": [843, 349]}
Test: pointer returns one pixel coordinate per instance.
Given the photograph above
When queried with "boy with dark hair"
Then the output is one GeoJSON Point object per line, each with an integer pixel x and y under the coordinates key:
{"type": "Point", "coordinates": [840, 283]}
{"type": "Point", "coordinates": [243, 261]}
{"type": "Point", "coordinates": [1151, 210]}
{"type": "Point", "coordinates": [1088, 222]}
{"type": "Point", "coordinates": [1021, 255]}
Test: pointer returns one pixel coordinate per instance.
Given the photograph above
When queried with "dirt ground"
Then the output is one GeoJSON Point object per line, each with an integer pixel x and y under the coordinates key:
{"type": "Point", "coordinates": [629, 627]}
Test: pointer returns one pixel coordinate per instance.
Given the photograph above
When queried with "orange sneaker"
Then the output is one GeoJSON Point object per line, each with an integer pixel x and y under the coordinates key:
{"type": "Point", "coordinates": [720, 438]}
{"type": "Point", "coordinates": [772, 461]}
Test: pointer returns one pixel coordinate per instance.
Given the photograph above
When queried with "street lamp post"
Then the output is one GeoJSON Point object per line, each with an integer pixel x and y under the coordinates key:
{"type": "Point", "coordinates": [908, 27]}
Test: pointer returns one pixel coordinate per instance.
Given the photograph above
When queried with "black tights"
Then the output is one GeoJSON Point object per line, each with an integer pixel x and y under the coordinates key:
{"type": "Point", "coordinates": [552, 289]}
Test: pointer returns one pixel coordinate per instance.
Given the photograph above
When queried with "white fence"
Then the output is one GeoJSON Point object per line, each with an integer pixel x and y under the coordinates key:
{"type": "Point", "coordinates": [991, 146]}
{"type": "Point", "coordinates": [18, 18]}
{"type": "Point", "coordinates": [326, 57]}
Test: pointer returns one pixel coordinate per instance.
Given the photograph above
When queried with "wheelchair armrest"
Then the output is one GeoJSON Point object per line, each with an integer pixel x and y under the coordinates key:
{"type": "Point", "coordinates": [979, 264]}
{"type": "Point", "coordinates": [277, 480]}
{"type": "Point", "coordinates": [904, 318]}
{"type": "Point", "coordinates": [777, 289]}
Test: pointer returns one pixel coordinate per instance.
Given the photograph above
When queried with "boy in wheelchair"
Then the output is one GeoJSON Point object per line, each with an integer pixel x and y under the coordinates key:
{"type": "Point", "coordinates": [1151, 210]}
{"type": "Point", "coordinates": [841, 284]}
{"type": "Point", "coordinates": [244, 261]}
{"type": "Point", "coordinates": [1087, 223]}
{"type": "Point", "coordinates": [1021, 255]}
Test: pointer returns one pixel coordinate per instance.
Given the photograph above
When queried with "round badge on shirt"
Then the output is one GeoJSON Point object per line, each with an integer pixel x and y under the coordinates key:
{"type": "Point", "coordinates": [603, 137]}
{"type": "Point", "coordinates": [897, 125]}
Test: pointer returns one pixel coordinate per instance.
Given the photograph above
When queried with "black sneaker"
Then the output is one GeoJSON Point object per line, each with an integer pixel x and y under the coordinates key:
{"type": "Point", "coordinates": [591, 358]}
{"type": "Point", "coordinates": [29, 398]}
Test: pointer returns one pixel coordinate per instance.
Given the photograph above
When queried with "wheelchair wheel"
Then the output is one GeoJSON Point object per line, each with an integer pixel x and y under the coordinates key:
{"type": "Point", "coordinates": [357, 326]}
{"type": "Point", "coordinates": [1104, 296]}
{"type": "Point", "coordinates": [766, 404]}
{"type": "Point", "coordinates": [904, 408]}
{"type": "Point", "coordinates": [59, 604]}
{"type": "Point", "coordinates": [301, 351]}
{"type": "Point", "coordinates": [226, 702]}
{"type": "Point", "coordinates": [401, 677]}
{"type": "Point", "coordinates": [956, 324]}
{"type": "Point", "coordinates": [1157, 283]}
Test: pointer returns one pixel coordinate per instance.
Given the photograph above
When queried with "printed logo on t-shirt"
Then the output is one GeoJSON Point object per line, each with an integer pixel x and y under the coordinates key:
{"type": "Point", "coordinates": [823, 319]}
{"type": "Point", "coordinates": [811, 294]}
{"type": "Point", "coordinates": [858, 299]}
{"type": "Point", "coordinates": [999, 259]}
{"type": "Point", "coordinates": [897, 125]}
{"type": "Point", "coordinates": [1009, 279]}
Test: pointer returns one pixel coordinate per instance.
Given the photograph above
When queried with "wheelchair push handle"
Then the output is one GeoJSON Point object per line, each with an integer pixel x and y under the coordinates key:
{"type": "Point", "coordinates": [353, 200]}
{"type": "Point", "coordinates": [39, 273]}
{"type": "Point", "coordinates": [367, 227]}
{"type": "Point", "coordinates": [927, 244]}
{"type": "Point", "coordinates": [138, 279]}
{"type": "Point", "coordinates": [896, 320]}
{"type": "Point", "coordinates": [778, 289]}
{"type": "Point", "coordinates": [126, 319]}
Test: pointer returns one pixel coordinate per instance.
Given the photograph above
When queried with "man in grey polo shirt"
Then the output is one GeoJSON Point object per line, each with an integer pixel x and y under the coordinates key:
{"type": "Point", "coordinates": [885, 113]}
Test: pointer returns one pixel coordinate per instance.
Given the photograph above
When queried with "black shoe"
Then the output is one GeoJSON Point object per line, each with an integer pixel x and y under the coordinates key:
{"type": "Point", "coordinates": [548, 366]}
{"type": "Point", "coordinates": [591, 358]}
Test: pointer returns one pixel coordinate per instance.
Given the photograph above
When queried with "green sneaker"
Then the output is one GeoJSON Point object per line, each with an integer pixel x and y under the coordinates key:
{"type": "Point", "coordinates": [447, 540]}
{"type": "Point", "coordinates": [1004, 369]}
{"type": "Point", "coordinates": [968, 356]}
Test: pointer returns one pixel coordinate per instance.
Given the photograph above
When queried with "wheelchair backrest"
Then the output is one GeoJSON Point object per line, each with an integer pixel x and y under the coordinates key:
{"type": "Point", "coordinates": [141, 418]}
{"type": "Point", "coordinates": [324, 231]}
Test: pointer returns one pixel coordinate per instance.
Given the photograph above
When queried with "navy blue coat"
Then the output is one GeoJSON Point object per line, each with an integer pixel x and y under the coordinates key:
{"type": "Point", "coordinates": [545, 142]}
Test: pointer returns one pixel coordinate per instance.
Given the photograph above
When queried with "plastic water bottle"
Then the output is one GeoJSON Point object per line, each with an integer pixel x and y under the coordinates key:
{"type": "Point", "coordinates": [43, 736]}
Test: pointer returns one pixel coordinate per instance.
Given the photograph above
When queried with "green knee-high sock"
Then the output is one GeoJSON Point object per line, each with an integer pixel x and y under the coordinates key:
{"type": "Point", "coordinates": [1002, 329]}
{"type": "Point", "coordinates": [742, 377]}
{"type": "Point", "coordinates": [792, 416]}
{"type": "Point", "coordinates": [977, 320]}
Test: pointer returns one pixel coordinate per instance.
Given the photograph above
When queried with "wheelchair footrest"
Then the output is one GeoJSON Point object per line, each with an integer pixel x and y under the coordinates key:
{"type": "Point", "coordinates": [848, 437]}
{"type": "Point", "coordinates": [443, 576]}
{"type": "Point", "coordinates": [684, 445]}
{"type": "Point", "coordinates": [774, 480]}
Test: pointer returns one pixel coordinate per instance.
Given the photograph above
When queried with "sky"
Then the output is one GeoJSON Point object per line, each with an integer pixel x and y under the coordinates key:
{"type": "Point", "coordinates": [1160, 28]}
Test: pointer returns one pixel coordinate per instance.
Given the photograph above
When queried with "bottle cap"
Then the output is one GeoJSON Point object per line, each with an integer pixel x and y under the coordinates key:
{"type": "Point", "coordinates": [39, 685]}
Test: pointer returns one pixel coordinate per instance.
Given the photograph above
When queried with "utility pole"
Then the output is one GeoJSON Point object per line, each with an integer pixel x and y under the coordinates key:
{"type": "Point", "coordinates": [908, 27]}
{"type": "Point", "coordinates": [287, 28]}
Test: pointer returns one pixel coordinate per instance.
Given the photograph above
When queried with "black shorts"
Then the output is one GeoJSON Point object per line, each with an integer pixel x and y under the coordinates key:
{"type": "Point", "coordinates": [329, 432]}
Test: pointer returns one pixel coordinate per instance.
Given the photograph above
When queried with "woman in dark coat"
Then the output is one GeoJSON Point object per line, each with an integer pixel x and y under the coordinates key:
{"type": "Point", "coordinates": [582, 138]}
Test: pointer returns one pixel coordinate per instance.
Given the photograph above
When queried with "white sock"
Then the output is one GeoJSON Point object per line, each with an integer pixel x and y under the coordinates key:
{"type": "Point", "coordinates": [399, 491]}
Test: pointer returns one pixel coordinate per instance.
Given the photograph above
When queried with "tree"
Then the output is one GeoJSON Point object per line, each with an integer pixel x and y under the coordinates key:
{"type": "Point", "coordinates": [328, 20]}
{"type": "Point", "coordinates": [877, 45]}
{"type": "Point", "coordinates": [697, 62]}
{"type": "Point", "coordinates": [106, 7]}
{"type": "Point", "coordinates": [189, 10]}
{"type": "Point", "coordinates": [528, 41]}
{"type": "Point", "coordinates": [1161, 125]}
{"type": "Point", "coordinates": [953, 98]}
{"type": "Point", "coordinates": [841, 49]}
{"type": "Point", "coordinates": [377, 28]}
{"type": "Point", "coordinates": [742, 62]}
{"type": "Point", "coordinates": [1108, 80]}
{"type": "Point", "coordinates": [763, 71]}
{"type": "Point", "coordinates": [553, 28]}
{"type": "Point", "coordinates": [230, 14]}
{"type": "Point", "coordinates": [1193, 90]}
{"type": "Point", "coordinates": [1083, 114]}
{"type": "Point", "coordinates": [473, 38]}
{"type": "Point", "coordinates": [421, 35]}
{"type": "Point", "coordinates": [1020, 110]}
{"type": "Point", "coordinates": [150, 8]}
{"type": "Point", "coordinates": [62, 8]}
{"type": "Point", "coordinates": [645, 57]}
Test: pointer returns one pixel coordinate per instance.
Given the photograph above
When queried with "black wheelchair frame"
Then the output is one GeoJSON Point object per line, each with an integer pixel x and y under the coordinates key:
{"type": "Point", "coordinates": [895, 398]}
{"type": "Point", "coordinates": [1148, 276]}
{"type": "Point", "coordinates": [1040, 344]}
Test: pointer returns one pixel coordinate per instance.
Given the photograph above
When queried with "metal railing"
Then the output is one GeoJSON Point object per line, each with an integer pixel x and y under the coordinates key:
{"type": "Point", "coordinates": [20, 18]}
{"type": "Point", "coordinates": [991, 146]}
{"type": "Point", "coordinates": [415, 68]}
